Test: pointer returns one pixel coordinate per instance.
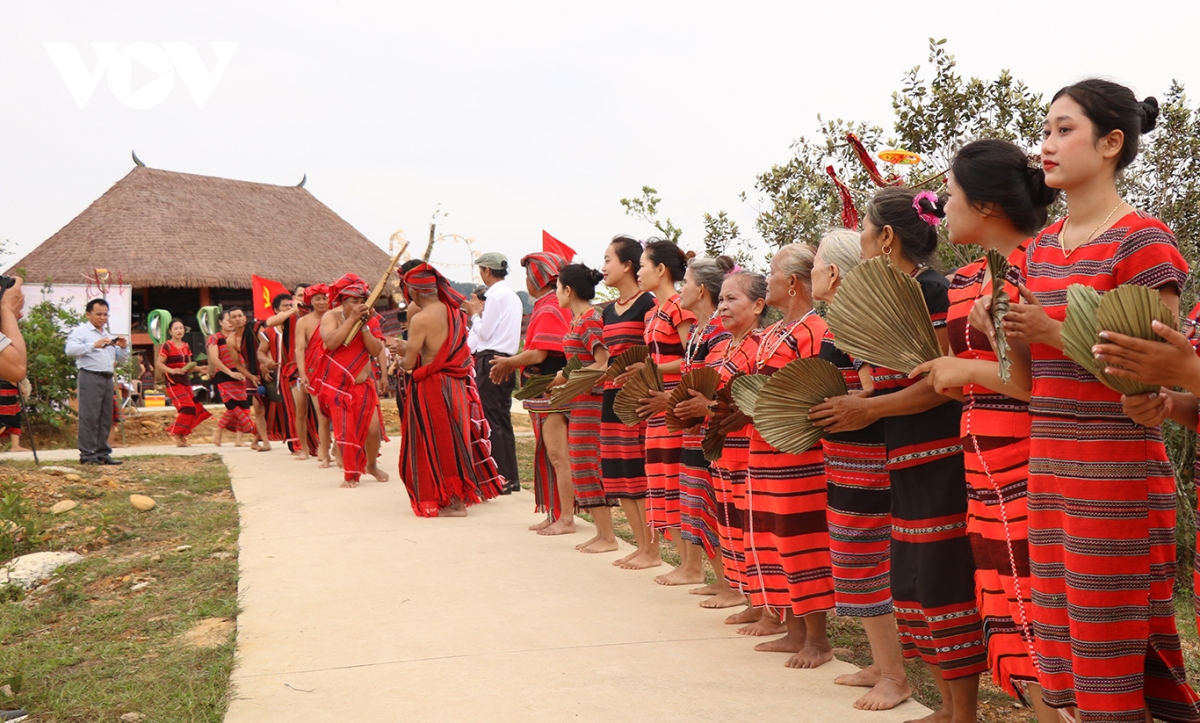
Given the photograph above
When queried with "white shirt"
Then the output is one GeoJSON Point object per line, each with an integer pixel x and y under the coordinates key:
{"type": "Point", "coordinates": [81, 345]}
{"type": "Point", "coordinates": [499, 329]}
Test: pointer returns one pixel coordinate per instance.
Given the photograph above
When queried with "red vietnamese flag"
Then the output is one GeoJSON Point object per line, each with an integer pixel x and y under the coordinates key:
{"type": "Point", "coordinates": [263, 290]}
{"type": "Point", "coordinates": [554, 246]}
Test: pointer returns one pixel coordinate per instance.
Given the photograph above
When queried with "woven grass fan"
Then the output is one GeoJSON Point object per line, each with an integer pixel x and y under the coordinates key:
{"type": "Point", "coordinates": [745, 391]}
{"type": "Point", "coordinates": [534, 386]}
{"type": "Point", "coordinates": [1128, 310]}
{"type": "Point", "coordinates": [781, 413]}
{"type": "Point", "coordinates": [637, 388]}
{"type": "Point", "coordinates": [714, 441]}
{"type": "Point", "coordinates": [573, 363]}
{"type": "Point", "coordinates": [580, 382]}
{"type": "Point", "coordinates": [632, 355]}
{"type": "Point", "coordinates": [704, 380]}
{"type": "Point", "coordinates": [879, 315]}
{"type": "Point", "coordinates": [998, 267]}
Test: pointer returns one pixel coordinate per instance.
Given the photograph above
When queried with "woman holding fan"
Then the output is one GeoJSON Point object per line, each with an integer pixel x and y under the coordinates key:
{"type": "Point", "coordinates": [174, 358]}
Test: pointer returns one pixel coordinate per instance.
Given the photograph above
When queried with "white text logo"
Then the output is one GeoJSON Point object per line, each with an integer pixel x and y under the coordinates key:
{"type": "Point", "coordinates": [156, 67]}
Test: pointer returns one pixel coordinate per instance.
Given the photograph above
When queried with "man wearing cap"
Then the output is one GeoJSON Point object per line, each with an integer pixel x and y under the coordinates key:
{"type": "Point", "coordinates": [496, 332]}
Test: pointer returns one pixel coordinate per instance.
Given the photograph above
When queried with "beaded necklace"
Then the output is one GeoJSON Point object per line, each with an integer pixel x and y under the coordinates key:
{"type": "Point", "coordinates": [777, 330]}
{"type": "Point", "coordinates": [695, 337]}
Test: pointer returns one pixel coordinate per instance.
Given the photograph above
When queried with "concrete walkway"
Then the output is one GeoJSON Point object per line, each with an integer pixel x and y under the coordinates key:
{"type": "Point", "coordinates": [353, 609]}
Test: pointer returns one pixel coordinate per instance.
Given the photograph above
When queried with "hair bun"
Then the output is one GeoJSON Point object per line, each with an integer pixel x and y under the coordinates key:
{"type": "Point", "coordinates": [1149, 114]}
{"type": "Point", "coordinates": [689, 255]}
{"type": "Point", "coordinates": [937, 209]}
{"type": "Point", "coordinates": [595, 275]}
{"type": "Point", "coordinates": [1039, 193]}
{"type": "Point", "coordinates": [726, 263]}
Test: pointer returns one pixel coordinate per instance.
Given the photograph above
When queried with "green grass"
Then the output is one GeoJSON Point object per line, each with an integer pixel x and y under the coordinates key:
{"type": "Point", "coordinates": [88, 648]}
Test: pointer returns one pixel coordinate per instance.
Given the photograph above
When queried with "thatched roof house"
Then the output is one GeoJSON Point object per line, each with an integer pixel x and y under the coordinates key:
{"type": "Point", "coordinates": [183, 241]}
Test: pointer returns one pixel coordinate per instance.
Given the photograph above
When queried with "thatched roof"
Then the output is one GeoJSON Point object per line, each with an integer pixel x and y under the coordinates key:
{"type": "Point", "coordinates": [162, 228]}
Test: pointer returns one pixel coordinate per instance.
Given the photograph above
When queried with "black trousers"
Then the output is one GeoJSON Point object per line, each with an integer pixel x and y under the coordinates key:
{"type": "Point", "coordinates": [95, 395]}
{"type": "Point", "coordinates": [497, 408]}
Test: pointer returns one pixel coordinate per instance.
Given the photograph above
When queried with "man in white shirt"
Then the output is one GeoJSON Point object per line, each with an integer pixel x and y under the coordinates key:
{"type": "Point", "coordinates": [496, 331]}
{"type": "Point", "coordinates": [95, 352]}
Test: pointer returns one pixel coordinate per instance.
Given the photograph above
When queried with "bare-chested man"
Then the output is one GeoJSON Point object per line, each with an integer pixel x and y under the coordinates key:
{"type": "Point", "coordinates": [346, 384]}
{"type": "Point", "coordinates": [224, 358]}
{"type": "Point", "coordinates": [443, 452]}
{"type": "Point", "coordinates": [310, 357]}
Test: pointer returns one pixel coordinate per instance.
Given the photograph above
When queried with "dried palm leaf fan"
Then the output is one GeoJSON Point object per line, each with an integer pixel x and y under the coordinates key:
{"type": "Point", "coordinates": [573, 363]}
{"type": "Point", "coordinates": [704, 380]}
{"type": "Point", "coordinates": [189, 366]}
{"type": "Point", "coordinates": [714, 441]}
{"type": "Point", "coordinates": [781, 412]}
{"type": "Point", "coordinates": [580, 382]}
{"type": "Point", "coordinates": [632, 355]}
{"type": "Point", "coordinates": [637, 388]}
{"type": "Point", "coordinates": [879, 315]}
{"type": "Point", "coordinates": [534, 386]}
{"type": "Point", "coordinates": [745, 391]}
{"type": "Point", "coordinates": [1128, 310]}
{"type": "Point", "coordinates": [998, 267]}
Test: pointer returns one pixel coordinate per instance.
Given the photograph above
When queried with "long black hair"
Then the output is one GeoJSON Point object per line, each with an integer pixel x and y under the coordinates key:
{"type": "Point", "coordinates": [998, 172]}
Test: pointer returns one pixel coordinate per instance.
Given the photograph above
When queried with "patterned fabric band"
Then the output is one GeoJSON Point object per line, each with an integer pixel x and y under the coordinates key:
{"type": "Point", "coordinates": [350, 285]}
{"type": "Point", "coordinates": [543, 267]}
{"type": "Point", "coordinates": [424, 279]}
{"type": "Point", "coordinates": [315, 290]}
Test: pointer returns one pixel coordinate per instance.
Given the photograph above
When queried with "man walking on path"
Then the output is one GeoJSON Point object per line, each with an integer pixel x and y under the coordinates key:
{"type": "Point", "coordinates": [95, 353]}
{"type": "Point", "coordinates": [496, 331]}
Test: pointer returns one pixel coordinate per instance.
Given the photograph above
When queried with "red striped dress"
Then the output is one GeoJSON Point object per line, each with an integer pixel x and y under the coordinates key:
{"type": "Point", "coordinates": [663, 447]}
{"type": "Point", "coordinates": [860, 508]}
{"type": "Point", "coordinates": [995, 436]}
{"type": "Point", "coordinates": [548, 326]}
{"type": "Point", "coordinates": [10, 409]}
{"type": "Point", "coordinates": [787, 538]}
{"type": "Point", "coordinates": [729, 478]}
{"type": "Point", "coordinates": [583, 435]}
{"type": "Point", "coordinates": [189, 413]}
{"type": "Point", "coordinates": [233, 392]}
{"type": "Point", "coordinates": [622, 448]}
{"type": "Point", "coordinates": [933, 570]}
{"type": "Point", "coordinates": [1102, 503]}
{"type": "Point", "coordinates": [697, 501]}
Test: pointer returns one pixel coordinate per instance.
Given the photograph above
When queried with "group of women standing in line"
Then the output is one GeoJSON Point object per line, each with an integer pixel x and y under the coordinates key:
{"type": "Point", "coordinates": [1022, 527]}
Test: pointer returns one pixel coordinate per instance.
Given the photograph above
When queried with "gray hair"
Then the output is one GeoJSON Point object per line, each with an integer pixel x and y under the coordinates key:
{"type": "Point", "coordinates": [710, 273]}
{"type": "Point", "coordinates": [796, 259]}
{"type": "Point", "coordinates": [755, 286]}
{"type": "Point", "coordinates": [841, 249]}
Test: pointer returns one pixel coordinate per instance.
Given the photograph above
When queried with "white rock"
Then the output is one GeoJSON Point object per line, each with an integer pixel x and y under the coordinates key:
{"type": "Point", "coordinates": [221, 555]}
{"type": "Point", "coordinates": [142, 502]}
{"type": "Point", "coordinates": [64, 506]}
{"type": "Point", "coordinates": [51, 469]}
{"type": "Point", "coordinates": [133, 717]}
{"type": "Point", "coordinates": [28, 570]}
{"type": "Point", "coordinates": [139, 586]}
{"type": "Point", "coordinates": [183, 548]}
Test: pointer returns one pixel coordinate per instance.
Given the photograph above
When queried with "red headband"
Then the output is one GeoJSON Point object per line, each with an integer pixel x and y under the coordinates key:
{"type": "Point", "coordinates": [543, 267]}
{"type": "Point", "coordinates": [350, 285]}
{"type": "Point", "coordinates": [315, 290]}
{"type": "Point", "coordinates": [424, 279]}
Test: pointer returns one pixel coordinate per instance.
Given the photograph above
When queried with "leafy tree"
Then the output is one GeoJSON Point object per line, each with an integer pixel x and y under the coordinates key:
{"type": "Point", "coordinates": [51, 371]}
{"type": "Point", "coordinates": [723, 237]}
{"type": "Point", "coordinates": [645, 207]}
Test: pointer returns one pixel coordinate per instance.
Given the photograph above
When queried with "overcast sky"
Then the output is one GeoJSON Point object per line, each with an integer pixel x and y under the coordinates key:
{"type": "Point", "coordinates": [514, 116]}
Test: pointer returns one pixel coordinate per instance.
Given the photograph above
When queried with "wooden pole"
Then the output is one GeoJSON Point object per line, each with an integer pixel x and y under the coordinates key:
{"type": "Point", "coordinates": [376, 292]}
{"type": "Point", "coordinates": [429, 248]}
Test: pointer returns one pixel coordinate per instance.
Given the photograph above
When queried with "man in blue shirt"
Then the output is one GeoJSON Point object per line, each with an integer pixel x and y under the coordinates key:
{"type": "Point", "coordinates": [95, 352]}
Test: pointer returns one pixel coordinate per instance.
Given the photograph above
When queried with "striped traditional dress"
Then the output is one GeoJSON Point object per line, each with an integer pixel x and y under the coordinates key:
{"type": "Point", "coordinates": [662, 447]}
{"type": "Point", "coordinates": [189, 414]}
{"type": "Point", "coordinates": [622, 448]}
{"type": "Point", "coordinates": [787, 538]}
{"type": "Point", "coordinates": [233, 392]}
{"type": "Point", "coordinates": [995, 436]}
{"type": "Point", "coordinates": [729, 478]}
{"type": "Point", "coordinates": [10, 409]}
{"type": "Point", "coordinates": [584, 335]}
{"type": "Point", "coordinates": [933, 571]}
{"type": "Point", "coordinates": [697, 502]}
{"type": "Point", "coordinates": [1102, 503]}
{"type": "Point", "coordinates": [860, 508]}
{"type": "Point", "coordinates": [548, 326]}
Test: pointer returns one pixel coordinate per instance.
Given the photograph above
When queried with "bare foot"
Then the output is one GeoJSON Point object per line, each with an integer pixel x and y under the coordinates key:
{"type": "Point", "coordinates": [217, 437]}
{"type": "Point", "coordinates": [642, 562]}
{"type": "Point", "coordinates": [598, 545]}
{"type": "Point", "coordinates": [679, 576]}
{"type": "Point", "coordinates": [749, 615]}
{"type": "Point", "coordinates": [885, 695]}
{"type": "Point", "coordinates": [713, 588]}
{"type": "Point", "coordinates": [541, 525]}
{"type": "Point", "coordinates": [18, 448]}
{"type": "Point", "coordinates": [459, 511]}
{"type": "Point", "coordinates": [764, 626]}
{"type": "Point", "coordinates": [810, 656]}
{"type": "Point", "coordinates": [349, 484]}
{"type": "Point", "coordinates": [322, 463]}
{"type": "Point", "coordinates": [587, 542]}
{"type": "Point", "coordinates": [627, 558]}
{"type": "Point", "coordinates": [264, 447]}
{"type": "Point", "coordinates": [564, 525]}
{"type": "Point", "coordinates": [179, 440]}
{"type": "Point", "coordinates": [786, 644]}
{"type": "Point", "coordinates": [378, 474]}
{"type": "Point", "coordinates": [868, 677]}
{"type": "Point", "coordinates": [726, 599]}
{"type": "Point", "coordinates": [941, 715]}
{"type": "Point", "coordinates": [301, 456]}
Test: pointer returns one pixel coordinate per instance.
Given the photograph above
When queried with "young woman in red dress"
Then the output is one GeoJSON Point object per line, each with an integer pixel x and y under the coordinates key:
{"type": "Point", "coordinates": [1101, 488]}
{"type": "Point", "coordinates": [787, 538]}
{"type": "Point", "coordinates": [173, 356]}
{"type": "Point", "coordinates": [697, 505]}
{"type": "Point", "coordinates": [585, 340]}
{"type": "Point", "coordinates": [996, 201]}
{"type": "Point", "coordinates": [667, 325]}
{"type": "Point", "coordinates": [860, 505]}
